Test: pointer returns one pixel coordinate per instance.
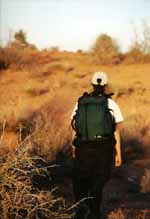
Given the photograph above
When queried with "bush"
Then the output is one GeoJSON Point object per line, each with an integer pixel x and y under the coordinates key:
{"type": "Point", "coordinates": [49, 129]}
{"type": "Point", "coordinates": [23, 59]}
{"type": "Point", "coordinates": [19, 198]}
{"type": "Point", "coordinates": [134, 56]}
{"type": "Point", "coordinates": [135, 137]}
{"type": "Point", "coordinates": [106, 50]}
{"type": "Point", "coordinates": [8, 57]}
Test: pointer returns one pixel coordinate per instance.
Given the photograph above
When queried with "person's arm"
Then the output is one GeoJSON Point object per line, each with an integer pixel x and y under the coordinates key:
{"type": "Point", "coordinates": [118, 158]}
{"type": "Point", "coordinates": [72, 146]}
{"type": "Point", "coordinates": [72, 130]}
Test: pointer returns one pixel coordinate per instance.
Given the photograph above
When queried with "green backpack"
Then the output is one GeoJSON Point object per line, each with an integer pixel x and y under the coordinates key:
{"type": "Point", "coordinates": [93, 120]}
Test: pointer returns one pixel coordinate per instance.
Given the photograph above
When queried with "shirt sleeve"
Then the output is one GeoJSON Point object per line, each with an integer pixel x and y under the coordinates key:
{"type": "Point", "coordinates": [74, 111]}
{"type": "Point", "coordinates": [113, 106]}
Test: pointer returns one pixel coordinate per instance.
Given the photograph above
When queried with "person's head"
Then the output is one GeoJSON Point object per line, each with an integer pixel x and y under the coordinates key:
{"type": "Point", "coordinates": [99, 82]}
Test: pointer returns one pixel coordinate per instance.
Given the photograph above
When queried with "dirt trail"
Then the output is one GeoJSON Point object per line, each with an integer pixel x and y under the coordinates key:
{"type": "Point", "coordinates": [124, 190]}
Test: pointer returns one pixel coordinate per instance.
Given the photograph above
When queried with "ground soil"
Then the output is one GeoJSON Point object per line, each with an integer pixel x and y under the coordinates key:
{"type": "Point", "coordinates": [123, 191]}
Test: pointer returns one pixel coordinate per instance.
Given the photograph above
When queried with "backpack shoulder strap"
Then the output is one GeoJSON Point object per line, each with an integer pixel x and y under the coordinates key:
{"type": "Point", "coordinates": [85, 94]}
{"type": "Point", "coordinates": [109, 95]}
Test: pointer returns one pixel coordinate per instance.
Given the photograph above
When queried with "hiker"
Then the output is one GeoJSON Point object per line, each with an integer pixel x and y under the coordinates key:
{"type": "Point", "coordinates": [96, 120]}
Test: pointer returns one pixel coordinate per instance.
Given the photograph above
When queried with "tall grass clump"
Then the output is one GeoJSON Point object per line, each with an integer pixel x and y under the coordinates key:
{"type": "Point", "coordinates": [9, 57]}
{"type": "Point", "coordinates": [135, 137]}
{"type": "Point", "coordinates": [51, 129]}
{"type": "Point", "coordinates": [43, 137]}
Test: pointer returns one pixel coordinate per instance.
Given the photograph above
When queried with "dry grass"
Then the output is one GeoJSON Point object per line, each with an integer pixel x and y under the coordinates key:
{"type": "Point", "coordinates": [33, 91]}
{"type": "Point", "coordinates": [117, 215]}
{"type": "Point", "coordinates": [145, 182]}
{"type": "Point", "coordinates": [51, 132]}
{"type": "Point", "coordinates": [135, 132]}
{"type": "Point", "coordinates": [24, 58]}
{"type": "Point", "coordinates": [129, 214]}
{"type": "Point", "coordinates": [19, 197]}
{"type": "Point", "coordinates": [37, 92]}
{"type": "Point", "coordinates": [39, 98]}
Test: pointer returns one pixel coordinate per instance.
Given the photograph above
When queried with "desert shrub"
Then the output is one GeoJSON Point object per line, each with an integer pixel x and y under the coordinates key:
{"type": "Point", "coordinates": [19, 197]}
{"type": "Point", "coordinates": [15, 58]}
{"type": "Point", "coordinates": [134, 56]}
{"type": "Point", "coordinates": [8, 56]}
{"type": "Point", "coordinates": [147, 58]}
{"type": "Point", "coordinates": [29, 60]}
{"type": "Point", "coordinates": [145, 182]}
{"type": "Point", "coordinates": [142, 37]}
{"type": "Point", "coordinates": [106, 50]}
{"type": "Point", "coordinates": [23, 59]}
{"type": "Point", "coordinates": [135, 137]}
{"type": "Point", "coordinates": [46, 136]}
{"type": "Point", "coordinates": [139, 51]}
{"type": "Point", "coordinates": [21, 37]}
{"type": "Point", "coordinates": [50, 129]}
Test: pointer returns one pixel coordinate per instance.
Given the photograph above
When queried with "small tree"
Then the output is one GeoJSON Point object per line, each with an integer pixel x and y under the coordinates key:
{"type": "Point", "coordinates": [20, 37]}
{"type": "Point", "coordinates": [54, 49]}
{"type": "Point", "coordinates": [141, 39]}
{"type": "Point", "coordinates": [20, 41]}
{"type": "Point", "coordinates": [145, 37]}
{"type": "Point", "coordinates": [105, 49]}
{"type": "Point", "coordinates": [139, 51]}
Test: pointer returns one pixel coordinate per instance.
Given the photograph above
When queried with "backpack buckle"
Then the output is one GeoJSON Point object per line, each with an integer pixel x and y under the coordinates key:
{"type": "Point", "coordinates": [98, 137]}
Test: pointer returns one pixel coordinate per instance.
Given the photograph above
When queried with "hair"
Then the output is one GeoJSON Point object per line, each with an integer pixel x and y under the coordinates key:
{"type": "Point", "coordinates": [98, 89]}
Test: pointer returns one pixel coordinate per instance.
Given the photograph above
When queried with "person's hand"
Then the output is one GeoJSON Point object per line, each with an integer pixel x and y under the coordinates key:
{"type": "Point", "coordinates": [118, 160]}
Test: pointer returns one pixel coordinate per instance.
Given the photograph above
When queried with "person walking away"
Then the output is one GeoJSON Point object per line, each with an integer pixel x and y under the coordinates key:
{"type": "Point", "coordinates": [96, 120]}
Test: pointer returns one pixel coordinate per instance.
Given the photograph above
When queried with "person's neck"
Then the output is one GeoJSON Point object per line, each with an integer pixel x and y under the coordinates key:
{"type": "Point", "coordinates": [97, 93]}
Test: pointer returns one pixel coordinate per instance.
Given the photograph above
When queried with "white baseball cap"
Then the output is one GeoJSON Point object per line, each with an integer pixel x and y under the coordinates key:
{"type": "Point", "coordinates": [99, 78]}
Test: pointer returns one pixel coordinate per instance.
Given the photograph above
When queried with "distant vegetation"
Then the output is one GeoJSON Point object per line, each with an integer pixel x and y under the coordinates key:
{"type": "Point", "coordinates": [19, 53]}
{"type": "Point", "coordinates": [106, 50]}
